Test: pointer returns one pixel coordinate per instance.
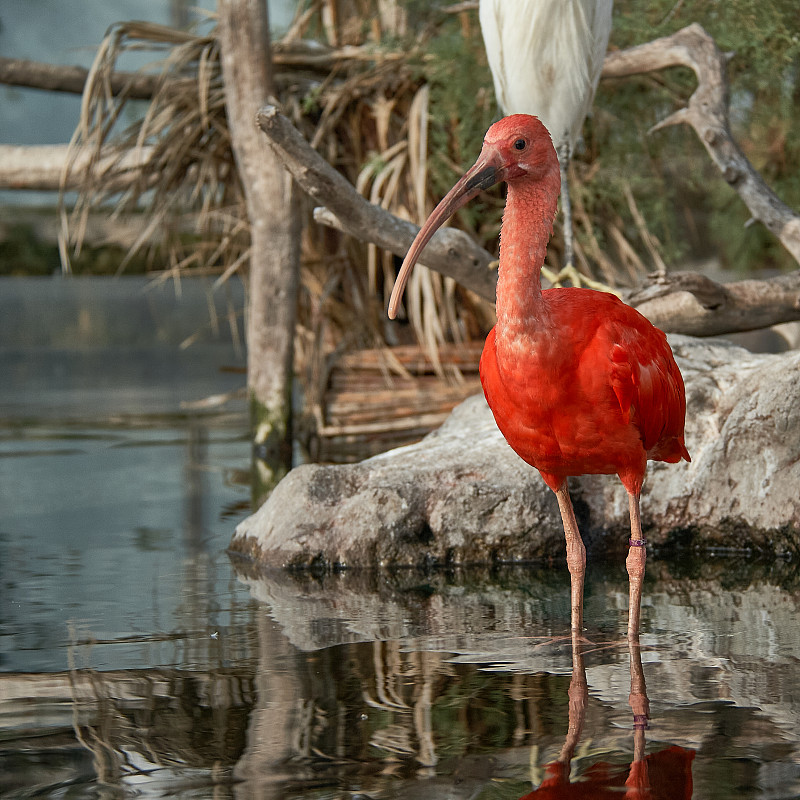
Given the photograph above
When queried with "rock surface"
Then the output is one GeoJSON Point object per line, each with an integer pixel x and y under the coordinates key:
{"type": "Point", "coordinates": [463, 496]}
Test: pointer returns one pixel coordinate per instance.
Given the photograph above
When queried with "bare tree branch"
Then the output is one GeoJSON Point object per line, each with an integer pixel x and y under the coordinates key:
{"type": "Point", "coordinates": [682, 303]}
{"type": "Point", "coordinates": [58, 78]}
{"type": "Point", "coordinates": [685, 302]}
{"type": "Point", "coordinates": [707, 113]}
{"type": "Point", "coordinates": [41, 167]}
{"type": "Point", "coordinates": [451, 251]}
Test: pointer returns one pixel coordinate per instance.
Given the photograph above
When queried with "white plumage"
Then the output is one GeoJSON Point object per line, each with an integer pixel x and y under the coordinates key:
{"type": "Point", "coordinates": [546, 57]}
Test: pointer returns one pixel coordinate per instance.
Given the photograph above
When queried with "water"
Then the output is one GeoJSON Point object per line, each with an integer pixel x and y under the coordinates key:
{"type": "Point", "coordinates": [137, 660]}
{"type": "Point", "coordinates": [199, 684]}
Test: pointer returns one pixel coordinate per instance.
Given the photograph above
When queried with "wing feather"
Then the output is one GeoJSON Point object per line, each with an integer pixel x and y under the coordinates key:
{"type": "Point", "coordinates": [649, 388]}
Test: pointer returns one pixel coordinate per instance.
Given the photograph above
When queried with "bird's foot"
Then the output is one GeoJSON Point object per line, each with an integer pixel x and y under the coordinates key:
{"type": "Point", "coordinates": [569, 272]}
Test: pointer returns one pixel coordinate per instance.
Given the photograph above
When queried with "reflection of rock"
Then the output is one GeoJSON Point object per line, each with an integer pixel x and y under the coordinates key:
{"type": "Point", "coordinates": [461, 495]}
{"type": "Point", "coordinates": [716, 641]}
{"type": "Point", "coordinates": [364, 606]}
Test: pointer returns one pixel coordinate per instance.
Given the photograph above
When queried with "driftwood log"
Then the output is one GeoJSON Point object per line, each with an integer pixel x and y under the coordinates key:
{"type": "Point", "coordinates": [72, 79]}
{"type": "Point", "coordinates": [44, 167]}
{"type": "Point", "coordinates": [685, 302]}
{"type": "Point", "coordinates": [452, 252]}
{"type": "Point", "coordinates": [297, 55]}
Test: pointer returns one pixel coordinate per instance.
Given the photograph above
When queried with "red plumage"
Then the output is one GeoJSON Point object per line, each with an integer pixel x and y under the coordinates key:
{"type": "Point", "coordinates": [578, 382]}
{"type": "Point", "coordinates": [604, 399]}
{"type": "Point", "coordinates": [664, 775]}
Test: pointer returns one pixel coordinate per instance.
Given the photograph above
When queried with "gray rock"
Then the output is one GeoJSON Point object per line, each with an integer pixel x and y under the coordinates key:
{"type": "Point", "coordinates": [463, 496]}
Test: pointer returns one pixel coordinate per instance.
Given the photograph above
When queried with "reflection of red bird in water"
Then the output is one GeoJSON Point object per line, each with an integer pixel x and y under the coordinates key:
{"type": "Point", "coordinates": [665, 775]}
{"type": "Point", "coordinates": [578, 382]}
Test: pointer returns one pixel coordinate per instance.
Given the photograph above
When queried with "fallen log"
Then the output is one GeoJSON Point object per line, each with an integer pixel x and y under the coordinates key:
{"type": "Point", "coordinates": [72, 79]}
{"type": "Point", "coordinates": [689, 303]}
{"type": "Point", "coordinates": [142, 86]}
{"type": "Point", "coordinates": [44, 167]}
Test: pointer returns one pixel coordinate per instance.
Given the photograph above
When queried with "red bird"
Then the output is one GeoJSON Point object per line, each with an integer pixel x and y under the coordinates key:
{"type": "Point", "coordinates": [578, 382]}
{"type": "Point", "coordinates": [665, 775]}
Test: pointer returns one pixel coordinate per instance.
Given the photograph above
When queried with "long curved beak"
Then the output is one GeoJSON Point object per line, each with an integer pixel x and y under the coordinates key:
{"type": "Point", "coordinates": [487, 171]}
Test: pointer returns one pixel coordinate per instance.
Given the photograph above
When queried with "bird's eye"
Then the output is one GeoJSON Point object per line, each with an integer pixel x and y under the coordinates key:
{"type": "Point", "coordinates": [520, 144]}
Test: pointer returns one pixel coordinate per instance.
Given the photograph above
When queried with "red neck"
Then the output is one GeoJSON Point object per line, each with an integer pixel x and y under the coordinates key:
{"type": "Point", "coordinates": [527, 225]}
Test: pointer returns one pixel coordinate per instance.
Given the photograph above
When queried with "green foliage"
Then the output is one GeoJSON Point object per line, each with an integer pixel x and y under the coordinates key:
{"type": "Point", "coordinates": [685, 202]}
{"type": "Point", "coordinates": [462, 107]}
{"type": "Point", "coordinates": [684, 199]}
{"type": "Point", "coordinates": [310, 103]}
{"type": "Point", "coordinates": [764, 35]}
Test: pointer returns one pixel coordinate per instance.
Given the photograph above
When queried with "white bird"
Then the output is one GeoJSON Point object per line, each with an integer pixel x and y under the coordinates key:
{"type": "Point", "coordinates": [546, 57]}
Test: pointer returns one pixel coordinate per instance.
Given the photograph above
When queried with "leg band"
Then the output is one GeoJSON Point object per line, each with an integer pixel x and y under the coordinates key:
{"type": "Point", "coordinates": [637, 542]}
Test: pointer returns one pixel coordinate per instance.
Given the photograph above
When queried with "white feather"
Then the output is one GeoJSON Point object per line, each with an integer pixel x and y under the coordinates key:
{"type": "Point", "coordinates": [546, 57]}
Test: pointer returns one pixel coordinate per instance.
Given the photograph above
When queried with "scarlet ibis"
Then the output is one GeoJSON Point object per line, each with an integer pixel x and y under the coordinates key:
{"type": "Point", "coordinates": [578, 382]}
{"type": "Point", "coordinates": [546, 57]}
{"type": "Point", "coordinates": [664, 774]}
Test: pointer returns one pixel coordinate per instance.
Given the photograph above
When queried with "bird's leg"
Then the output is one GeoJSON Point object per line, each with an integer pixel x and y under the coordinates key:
{"type": "Point", "coordinates": [576, 557]}
{"type": "Point", "coordinates": [564, 156]}
{"type": "Point", "coordinates": [637, 699]}
{"type": "Point", "coordinates": [638, 781]}
{"type": "Point", "coordinates": [635, 566]}
{"type": "Point", "coordinates": [578, 694]}
{"type": "Point", "coordinates": [568, 270]}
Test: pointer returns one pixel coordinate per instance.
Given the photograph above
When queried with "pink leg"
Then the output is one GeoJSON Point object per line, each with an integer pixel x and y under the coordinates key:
{"type": "Point", "coordinates": [638, 778]}
{"type": "Point", "coordinates": [576, 557]}
{"type": "Point", "coordinates": [635, 565]}
{"type": "Point", "coordinates": [578, 695]}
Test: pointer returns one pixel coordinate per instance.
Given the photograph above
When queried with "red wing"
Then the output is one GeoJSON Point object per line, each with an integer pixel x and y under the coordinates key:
{"type": "Point", "coordinates": [649, 387]}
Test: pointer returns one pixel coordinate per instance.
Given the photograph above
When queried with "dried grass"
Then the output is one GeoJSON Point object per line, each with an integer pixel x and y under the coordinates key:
{"type": "Point", "coordinates": [365, 110]}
